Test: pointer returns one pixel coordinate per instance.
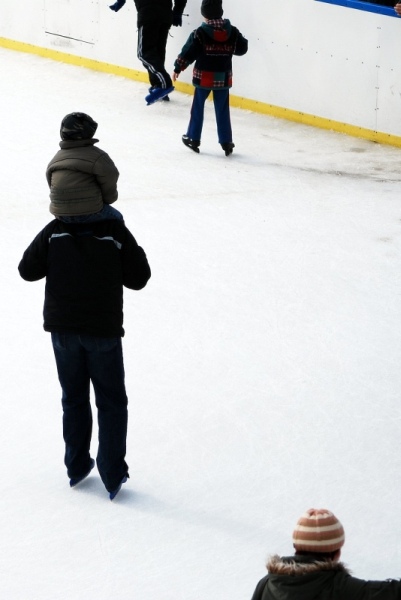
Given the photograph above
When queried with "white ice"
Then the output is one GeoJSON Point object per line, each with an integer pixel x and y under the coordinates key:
{"type": "Point", "coordinates": [262, 359]}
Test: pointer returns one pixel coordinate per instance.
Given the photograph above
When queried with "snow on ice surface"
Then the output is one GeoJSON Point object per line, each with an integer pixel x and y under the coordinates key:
{"type": "Point", "coordinates": [262, 359]}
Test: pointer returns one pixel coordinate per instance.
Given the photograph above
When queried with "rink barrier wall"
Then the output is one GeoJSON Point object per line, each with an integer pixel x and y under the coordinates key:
{"type": "Point", "coordinates": [236, 101]}
{"type": "Point", "coordinates": [367, 7]}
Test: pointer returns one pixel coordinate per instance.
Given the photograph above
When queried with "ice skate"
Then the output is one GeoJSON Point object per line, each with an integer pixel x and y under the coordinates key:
{"type": "Point", "coordinates": [75, 480]}
{"type": "Point", "coordinates": [193, 144]}
{"type": "Point", "coordinates": [114, 493]}
{"type": "Point", "coordinates": [157, 93]}
{"type": "Point", "coordinates": [228, 148]}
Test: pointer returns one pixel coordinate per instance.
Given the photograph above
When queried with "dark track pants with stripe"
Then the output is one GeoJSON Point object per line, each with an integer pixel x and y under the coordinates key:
{"type": "Point", "coordinates": [152, 41]}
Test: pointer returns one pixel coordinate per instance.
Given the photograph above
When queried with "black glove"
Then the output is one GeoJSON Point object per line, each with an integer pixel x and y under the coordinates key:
{"type": "Point", "coordinates": [177, 18]}
{"type": "Point", "coordinates": [117, 5]}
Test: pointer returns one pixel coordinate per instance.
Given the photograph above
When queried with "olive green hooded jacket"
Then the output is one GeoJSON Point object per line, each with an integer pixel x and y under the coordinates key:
{"type": "Point", "coordinates": [82, 178]}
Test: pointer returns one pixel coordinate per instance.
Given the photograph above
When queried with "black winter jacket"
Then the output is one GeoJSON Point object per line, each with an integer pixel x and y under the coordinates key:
{"type": "Point", "coordinates": [86, 267]}
{"type": "Point", "coordinates": [158, 10]}
{"type": "Point", "coordinates": [307, 578]}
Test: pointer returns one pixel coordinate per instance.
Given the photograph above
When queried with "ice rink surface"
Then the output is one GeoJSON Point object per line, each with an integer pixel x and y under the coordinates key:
{"type": "Point", "coordinates": [262, 359]}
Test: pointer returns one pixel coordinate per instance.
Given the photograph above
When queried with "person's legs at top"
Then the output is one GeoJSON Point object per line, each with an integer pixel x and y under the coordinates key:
{"type": "Point", "coordinates": [162, 38]}
{"type": "Point", "coordinates": [161, 48]}
{"type": "Point", "coordinates": [150, 39]}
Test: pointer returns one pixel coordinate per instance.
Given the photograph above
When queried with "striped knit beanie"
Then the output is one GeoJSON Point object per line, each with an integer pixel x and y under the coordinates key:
{"type": "Point", "coordinates": [318, 530]}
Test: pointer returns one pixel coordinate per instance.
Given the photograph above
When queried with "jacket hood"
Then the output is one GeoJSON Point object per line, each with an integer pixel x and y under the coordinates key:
{"type": "Point", "coordinates": [300, 577]}
{"type": "Point", "coordinates": [218, 33]}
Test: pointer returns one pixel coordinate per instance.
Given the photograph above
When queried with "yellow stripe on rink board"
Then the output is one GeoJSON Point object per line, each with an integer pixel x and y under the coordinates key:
{"type": "Point", "coordinates": [320, 122]}
{"type": "Point", "coordinates": [72, 59]}
{"type": "Point", "coordinates": [237, 101]}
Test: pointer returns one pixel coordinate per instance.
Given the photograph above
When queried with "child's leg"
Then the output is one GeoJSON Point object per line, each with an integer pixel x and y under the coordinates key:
{"type": "Point", "coordinates": [221, 100]}
{"type": "Point", "coordinates": [197, 112]}
{"type": "Point", "coordinates": [107, 212]}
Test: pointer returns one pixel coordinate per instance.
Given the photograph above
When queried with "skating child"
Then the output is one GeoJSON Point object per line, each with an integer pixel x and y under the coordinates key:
{"type": "Point", "coordinates": [82, 178]}
{"type": "Point", "coordinates": [211, 46]}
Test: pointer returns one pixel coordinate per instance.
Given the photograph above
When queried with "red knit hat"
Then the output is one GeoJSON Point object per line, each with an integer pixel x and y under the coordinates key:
{"type": "Point", "coordinates": [318, 530]}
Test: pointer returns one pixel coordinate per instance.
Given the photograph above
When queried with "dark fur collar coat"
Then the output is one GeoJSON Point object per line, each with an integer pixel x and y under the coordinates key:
{"type": "Point", "coordinates": [308, 578]}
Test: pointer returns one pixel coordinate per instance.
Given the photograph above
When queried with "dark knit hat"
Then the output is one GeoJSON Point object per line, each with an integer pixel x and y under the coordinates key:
{"type": "Point", "coordinates": [212, 9]}
{"type": "Point", "coordinates": [77, 126]}
{"type": "Point", "coordinates": [318, 530]}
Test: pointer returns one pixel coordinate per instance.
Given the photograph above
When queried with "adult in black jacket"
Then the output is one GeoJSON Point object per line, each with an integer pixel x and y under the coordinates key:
{"type": "Point", "coordinates": [155, 18]}
{"type": "Point", "coordinates": [316, 571]}
{"type": "Point", "coordinates": [86, 267]}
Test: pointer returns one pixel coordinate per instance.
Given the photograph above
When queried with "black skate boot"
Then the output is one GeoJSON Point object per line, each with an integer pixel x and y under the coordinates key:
{"type": "Point", "coordinates": [75, 480]}
{"type": "Point", "coordinates": [193, 144]}
{"type": "Point", "coordinates": [228, 148]}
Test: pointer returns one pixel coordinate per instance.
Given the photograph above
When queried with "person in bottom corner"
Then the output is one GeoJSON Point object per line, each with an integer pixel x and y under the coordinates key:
{"type": "Point", "coordinates": [82, 178]}
{"type": "Point", "coordinates": [155, 18]}
{"type": "Point", "coordinates": [315, 570]}
{"type": "Point", "coordinates": [211, 46]}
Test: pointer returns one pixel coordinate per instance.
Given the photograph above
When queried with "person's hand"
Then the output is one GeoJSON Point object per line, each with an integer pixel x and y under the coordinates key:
{"type": "Point", "coordinates": [177, 18]}
{"type": "Point", "coordinates": [397, 8]}
{"type": "Point", "coordinates": [175, 76]}
{"type": "Point", "coordinates": [117, 5]}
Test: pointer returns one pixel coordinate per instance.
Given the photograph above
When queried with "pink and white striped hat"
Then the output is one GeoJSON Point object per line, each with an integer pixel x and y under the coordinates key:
{"type": "Point", "coordinates": [318, 530]}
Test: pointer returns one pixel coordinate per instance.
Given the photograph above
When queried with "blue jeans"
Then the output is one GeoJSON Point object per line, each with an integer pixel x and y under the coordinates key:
{"type": "Point", "coordinates": [107, 212]}
{"type": "Point", "coordinates": [82, 359]}
{"type": "Point", "coordinates": [221, 101]}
